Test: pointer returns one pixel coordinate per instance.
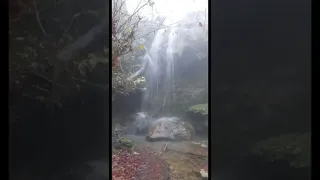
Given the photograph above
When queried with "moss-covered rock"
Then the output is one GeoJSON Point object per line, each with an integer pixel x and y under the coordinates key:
{"type": "Point", "coordinates": [293, 148]}
{"type": "Point", "coordinates": [198, 116]}
{"type": "Point", "coordinates": [125, 142]}
{"type": "Point", "coordinates": [199, 109]}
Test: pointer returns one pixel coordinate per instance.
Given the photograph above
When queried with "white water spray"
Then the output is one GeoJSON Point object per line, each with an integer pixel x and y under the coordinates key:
{"type": "Point", "coordinates": [166, 48]}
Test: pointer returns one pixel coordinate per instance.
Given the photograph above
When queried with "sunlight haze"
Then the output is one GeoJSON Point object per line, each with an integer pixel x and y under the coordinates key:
{"type": "Point", "coordinates": [174, 10]}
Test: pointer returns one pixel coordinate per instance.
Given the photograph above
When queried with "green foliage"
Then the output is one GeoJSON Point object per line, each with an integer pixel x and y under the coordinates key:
{"type": "Point", "coordinates": [89, 64]}
{"type": "Point", "coordinates": [199, 109]}
{"type": "Point", "coordinates": [293, 148]}
{"type": "Point", "coordinates": [35, 70]}
{"type": "Point", "coordinates": [140, 81]}
{"type": "Point", "coordinates": [122, 87]}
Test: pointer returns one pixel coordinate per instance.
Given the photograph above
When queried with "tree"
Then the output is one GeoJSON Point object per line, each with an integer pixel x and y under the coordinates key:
{"type": "Point", "coordinates": [37, 72]}
{"type": "Point", "coordinates": [128, 38]}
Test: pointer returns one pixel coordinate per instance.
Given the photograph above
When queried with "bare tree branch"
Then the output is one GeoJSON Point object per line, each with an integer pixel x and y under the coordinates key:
{"type": "Point", "coordinates": [68, 52]}
{"type": "Point", "coordinates": [38, 18]}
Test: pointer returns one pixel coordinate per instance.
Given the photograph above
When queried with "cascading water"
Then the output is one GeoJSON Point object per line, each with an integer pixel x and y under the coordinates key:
{"type": "Point", "coordinates": [167, 47]}
{"type": "Point", "coordinates": [160, 72]}
{"type": "Point", "coordinates": [170, 86]}
{"type": "Point", "coordinates": [166, 56]}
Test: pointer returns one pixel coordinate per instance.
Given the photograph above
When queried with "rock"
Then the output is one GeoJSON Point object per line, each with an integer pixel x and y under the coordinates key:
{"type": "Point", "coordinates": [204, 145]}
{"type": "Point", "coordinates": [126, 143]}
{"type": "Point", "coordinates": [118, 132]}
{"type": "Point", "coordinates": [204, 174]}
{"type": "Point", "coordinates": [139, 123]}
{"type": "Point", "coordinates": [199, 117]}
{"type": "Point", "coordinates": [135, 153]}
{"type": "Point", "coordinates": [170, 128]}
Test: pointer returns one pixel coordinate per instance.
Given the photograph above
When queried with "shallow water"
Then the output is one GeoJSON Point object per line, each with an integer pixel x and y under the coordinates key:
{"type": "Point", "coordinates": [185, 159]}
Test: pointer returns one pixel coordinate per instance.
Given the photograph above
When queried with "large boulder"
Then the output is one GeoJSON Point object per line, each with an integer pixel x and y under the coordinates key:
{"type": "Point", "coordinates": [199, 117]}
{"type": "Point", "coordinates": [170, 128]}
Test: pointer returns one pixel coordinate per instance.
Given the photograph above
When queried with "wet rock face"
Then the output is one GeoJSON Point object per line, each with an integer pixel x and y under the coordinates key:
{"type": "Point", "coordinates": [199, 117]}
{"type": "Point", "coordinates": [118, 132]}
{"type": "Point", "coordinates": [170, 128]}
{"type": "Point", "coordinates": [139, 123]}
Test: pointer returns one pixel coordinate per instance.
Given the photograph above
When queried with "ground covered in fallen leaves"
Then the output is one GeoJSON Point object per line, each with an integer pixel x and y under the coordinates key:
{"type": "Point", "coordinates": [138, 164]}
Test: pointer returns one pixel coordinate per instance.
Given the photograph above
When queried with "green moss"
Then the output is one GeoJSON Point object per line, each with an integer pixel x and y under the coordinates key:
{"type": "Point", "coordinates": [200, 108]}
{"type": "Point", "coordinates": [293, 148]}
{"type": "Point", "coordinates": [126, 143]}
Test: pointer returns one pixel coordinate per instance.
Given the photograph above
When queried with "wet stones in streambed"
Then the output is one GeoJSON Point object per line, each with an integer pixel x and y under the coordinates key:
{"type": "Point", "coordinates": [170, 128]}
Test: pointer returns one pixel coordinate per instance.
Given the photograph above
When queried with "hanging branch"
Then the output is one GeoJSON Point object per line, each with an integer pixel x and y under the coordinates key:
{"type": "Point", "coordinates": [68, 52]}
{"type": "Point", "coordinates": [38, 18]}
